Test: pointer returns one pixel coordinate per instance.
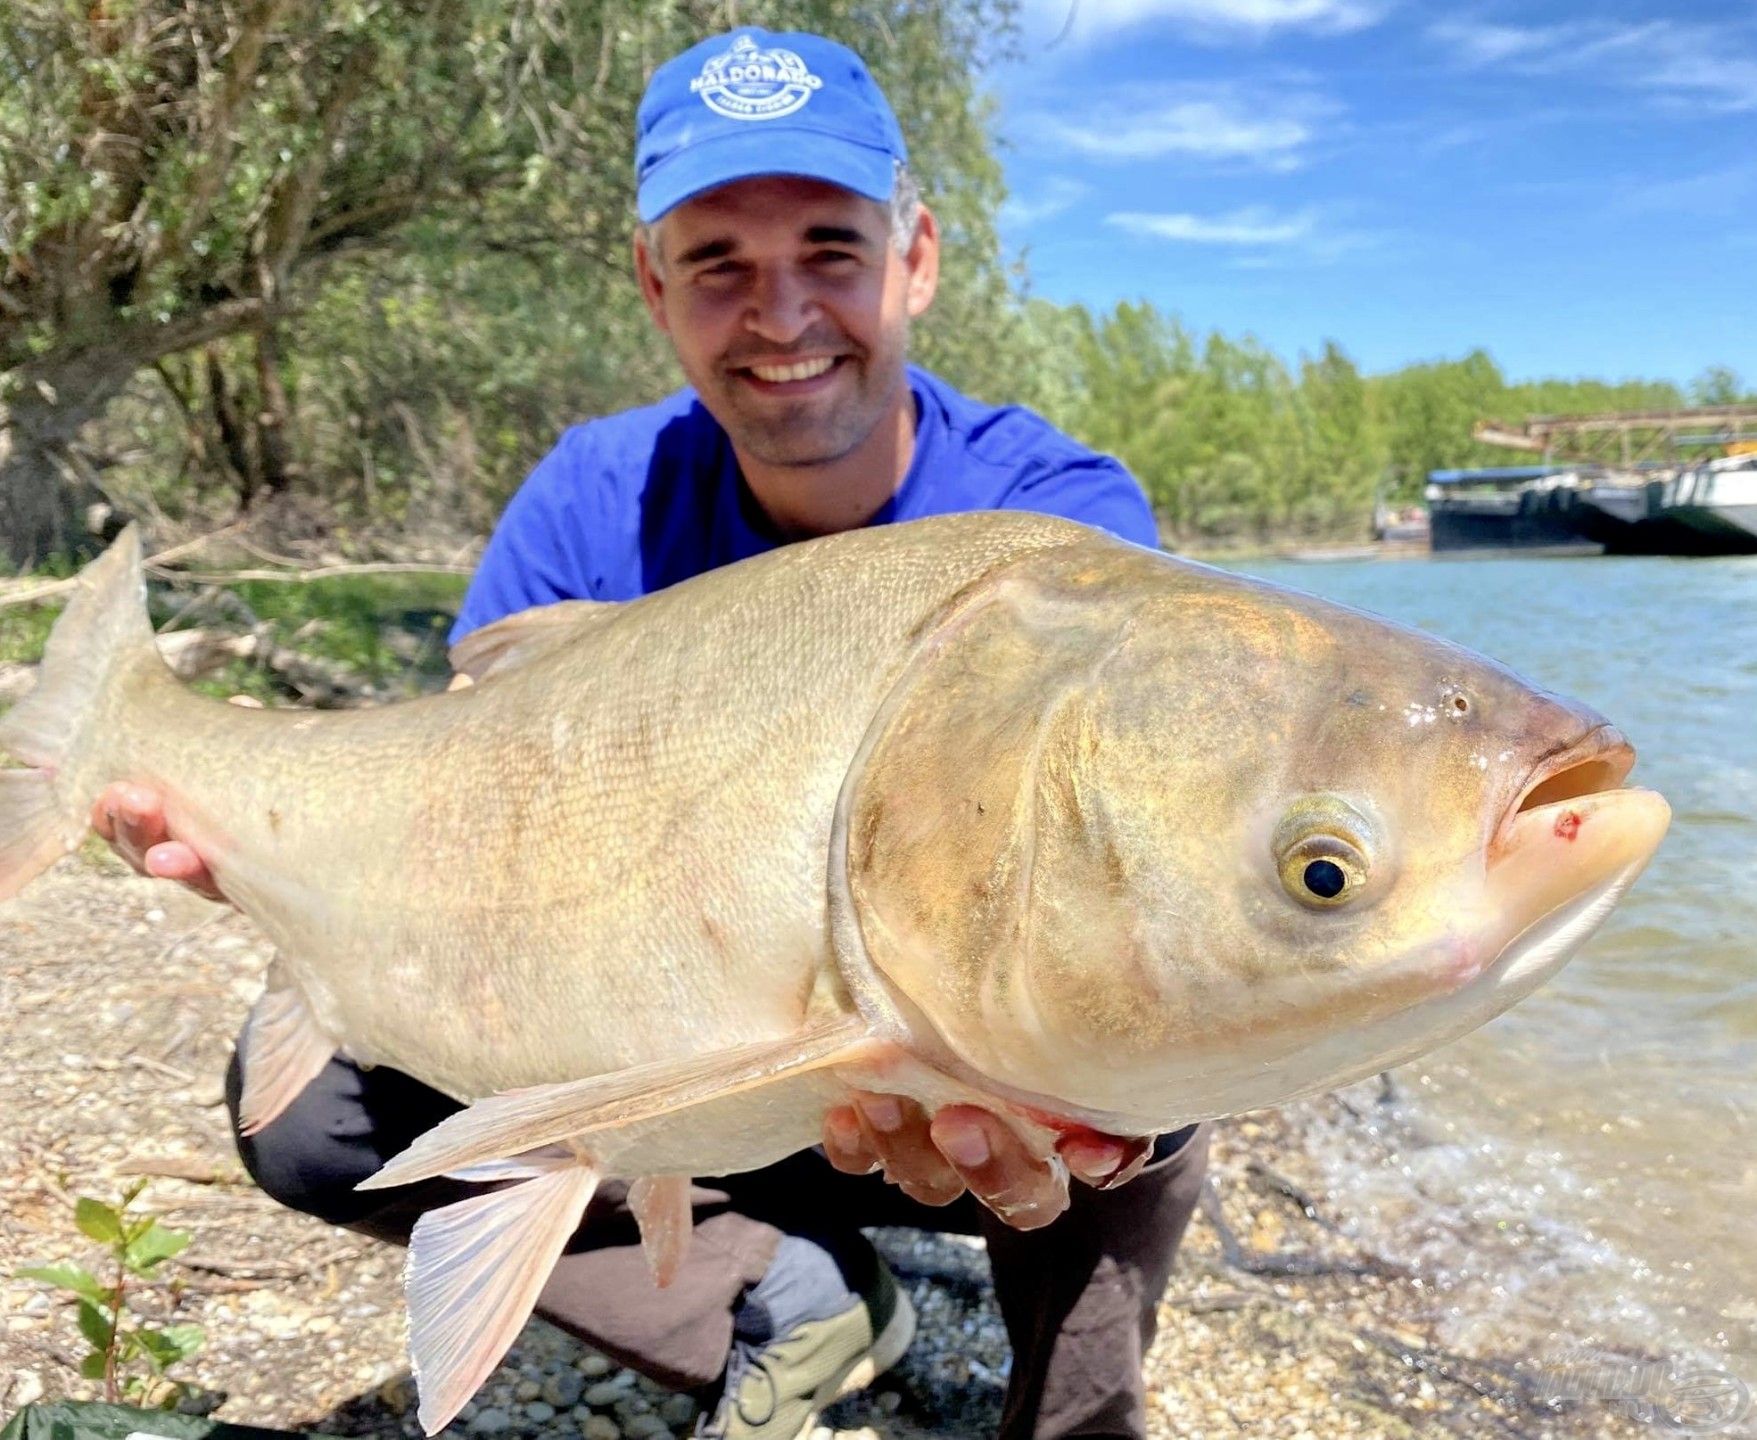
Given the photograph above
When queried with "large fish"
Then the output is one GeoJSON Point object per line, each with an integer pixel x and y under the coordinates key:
{"type": "Point", "coordinates": [986, 808]}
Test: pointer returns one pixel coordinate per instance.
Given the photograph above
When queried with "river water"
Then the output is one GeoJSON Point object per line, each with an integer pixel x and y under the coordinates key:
{"type": "Point", "coordinates": [1604, 1132]}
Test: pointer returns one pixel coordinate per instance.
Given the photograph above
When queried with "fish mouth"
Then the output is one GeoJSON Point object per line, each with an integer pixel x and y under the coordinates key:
{"type": "Point", "coordinates": [1597, 762]}
{"type": "Point", "coordinates": [1573, 835]}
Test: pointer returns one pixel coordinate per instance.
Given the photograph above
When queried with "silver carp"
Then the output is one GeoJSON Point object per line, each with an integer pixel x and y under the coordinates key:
{"type": "Point", "coordinates": [987, 809]}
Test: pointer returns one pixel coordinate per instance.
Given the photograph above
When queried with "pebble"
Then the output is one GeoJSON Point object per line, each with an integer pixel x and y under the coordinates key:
{"type": "Point", "coordinates": [600, 1427]}
{"type": "Point", "coordinates": [397, 1394]}
{"type": "Point", "coordinates": [677, 1411]}
{"type": "Point", "coordinates": [27, 1388]}
{"type": "Point", "coordinates": [564, 1388]}
{"type": "Point", "coordinates": [540, 1411]}
{"type": "Point", "coordinates": [607, 1392]}
{"type": "Point", "coordinates": [643, 1427]}
{"type": "Point", "coordinates": [527, 1389]}
{"type": "Point", "coordinates": [592, 1366]}
{"type": "Point", "coordinates": [492, 1421]}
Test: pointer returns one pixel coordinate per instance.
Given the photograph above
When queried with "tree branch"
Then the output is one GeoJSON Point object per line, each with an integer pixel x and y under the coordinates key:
{"type": "Point", "coordinates": [289, 217]}
{"type": "Point", "coordinates": [242, 65]}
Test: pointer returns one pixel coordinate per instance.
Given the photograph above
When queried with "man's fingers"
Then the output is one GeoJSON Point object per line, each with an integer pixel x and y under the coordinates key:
{"type": "Point", "coordinates": [845, 1143]}
{"type": "Point", "coordinates": [173, 860]}
{"type": "Point", "coordinates": [896, 1130]}
{"type": "Point", "coordinates": [1104, 1161]}
{"type": "Point", "coordinates": [132, 819]}
{"type": "Point", "coordinates": [1024, 1191]}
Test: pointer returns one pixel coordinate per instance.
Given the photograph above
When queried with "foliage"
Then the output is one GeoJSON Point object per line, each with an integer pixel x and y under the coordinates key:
{"type": "Point", "coordinates": [129, 1356]}
{"type": "Point", "coordinates": [374, 256]}
{"type": "Point", "coordinates": [379, 251]}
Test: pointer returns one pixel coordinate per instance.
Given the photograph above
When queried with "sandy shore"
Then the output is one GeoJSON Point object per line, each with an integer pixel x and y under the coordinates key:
{"type": "Point", "coordinates": [119, 999]}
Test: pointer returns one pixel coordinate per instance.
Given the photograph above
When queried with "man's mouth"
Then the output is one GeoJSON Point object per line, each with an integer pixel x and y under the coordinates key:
{"type": "Point", "coordinates": [793, 377]}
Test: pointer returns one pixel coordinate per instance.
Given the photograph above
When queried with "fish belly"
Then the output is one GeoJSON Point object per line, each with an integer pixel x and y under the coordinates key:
{"type": "Point", "coordinates": [613, 855]}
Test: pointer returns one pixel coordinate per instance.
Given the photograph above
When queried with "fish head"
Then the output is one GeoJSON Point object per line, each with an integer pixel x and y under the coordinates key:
{"type": "Point", "coordinates": [1223, 844]}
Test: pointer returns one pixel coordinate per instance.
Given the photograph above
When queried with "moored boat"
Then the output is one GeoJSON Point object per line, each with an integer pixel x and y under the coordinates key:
{"type": "Point", "coordinates": [1515, 507]}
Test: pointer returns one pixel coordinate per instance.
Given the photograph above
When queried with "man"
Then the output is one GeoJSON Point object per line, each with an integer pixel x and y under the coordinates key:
{"type": "Point", "coordinates": [783, 250]}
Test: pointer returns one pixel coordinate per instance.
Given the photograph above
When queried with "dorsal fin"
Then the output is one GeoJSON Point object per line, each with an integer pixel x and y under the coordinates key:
{"type": "Point", "coordinates": [521, 638]}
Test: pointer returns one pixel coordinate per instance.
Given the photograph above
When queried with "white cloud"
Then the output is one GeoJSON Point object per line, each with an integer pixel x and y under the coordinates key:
{"type": "Point", "coordinates": [1054, 197]}
{"type": "Point", "coordinates": [1085, 21]}
{"type": "Point", "coordinates": [1702, 66]}
{"type": "Point", "coordinates": [1259, 237]}
{"type": "Point", "coordinates": [1265, 127]}
{"type": "Point", "coordinates": [1255, 226]}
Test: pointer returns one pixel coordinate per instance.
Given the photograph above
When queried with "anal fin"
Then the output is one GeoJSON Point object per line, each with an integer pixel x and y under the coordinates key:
{"type": "Point", "coordinates": [518, 1121]}
{"type": "Point", "coordinates": [474, 1272]}
{"type": "Point", "coordinates": [662, 1209]}
{"type": "Point", "coordinates": [283, 1050]}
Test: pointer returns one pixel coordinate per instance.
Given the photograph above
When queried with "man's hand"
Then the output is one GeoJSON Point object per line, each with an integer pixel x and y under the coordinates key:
{"type": "Point", "coordinates": [965, 1147]}
{"type": "Point", "coordinates": [132, 819]}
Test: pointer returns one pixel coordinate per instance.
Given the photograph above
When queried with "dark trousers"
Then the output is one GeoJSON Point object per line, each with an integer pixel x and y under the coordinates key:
{"type": "Point", "coordinates": [1078, 1297]}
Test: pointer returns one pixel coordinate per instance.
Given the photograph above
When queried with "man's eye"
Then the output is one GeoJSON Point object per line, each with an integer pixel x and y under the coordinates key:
{"type": "Point", "coordinates": [720, 272]}
{"type": "Point", "coordinates": [832, 257]}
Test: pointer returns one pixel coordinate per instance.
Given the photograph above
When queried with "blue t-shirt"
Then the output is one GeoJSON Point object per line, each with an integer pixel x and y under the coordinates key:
{"type": "Point", "coordinates": [634, 502]}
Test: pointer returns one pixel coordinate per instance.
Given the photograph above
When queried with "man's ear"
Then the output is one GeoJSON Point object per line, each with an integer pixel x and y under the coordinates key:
{"type": "Point", "coordinates": [648, 271]}
{"type": "Point", "coordinates": [923, 261]}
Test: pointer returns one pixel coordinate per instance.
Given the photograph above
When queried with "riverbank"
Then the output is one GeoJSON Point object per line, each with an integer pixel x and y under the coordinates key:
{"type": "Point", "coordinates": [119, 998]}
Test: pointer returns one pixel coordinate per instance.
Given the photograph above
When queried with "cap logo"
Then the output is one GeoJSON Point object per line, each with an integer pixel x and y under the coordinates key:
{"type": "Point", "coordinates": [745, 83]}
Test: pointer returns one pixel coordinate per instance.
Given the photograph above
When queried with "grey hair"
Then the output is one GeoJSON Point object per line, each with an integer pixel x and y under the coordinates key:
{"type": "Point", "coordinates": [905, 216]}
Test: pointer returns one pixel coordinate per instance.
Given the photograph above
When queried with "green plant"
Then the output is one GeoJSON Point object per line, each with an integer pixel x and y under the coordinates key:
{"type": "Point", "coordinates": [130, 1357]}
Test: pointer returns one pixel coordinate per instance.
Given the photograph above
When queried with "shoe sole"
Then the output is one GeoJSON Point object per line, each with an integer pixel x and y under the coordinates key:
{"type": "Point", "coordinates": [886, 1351]}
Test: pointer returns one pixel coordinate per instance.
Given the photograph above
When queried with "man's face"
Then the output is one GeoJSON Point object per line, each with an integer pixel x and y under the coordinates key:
{"type": "Point", "coordinates": [789, 308]}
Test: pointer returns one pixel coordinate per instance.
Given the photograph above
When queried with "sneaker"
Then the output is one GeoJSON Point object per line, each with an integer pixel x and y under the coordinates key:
{"type": "Point", "coordinates": [775, 1391]}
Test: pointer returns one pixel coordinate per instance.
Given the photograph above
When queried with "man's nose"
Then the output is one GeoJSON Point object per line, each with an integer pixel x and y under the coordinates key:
{"type": "Point", "coordinates": [782, 307]}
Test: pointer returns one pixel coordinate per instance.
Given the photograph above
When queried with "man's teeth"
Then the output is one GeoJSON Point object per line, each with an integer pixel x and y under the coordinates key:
{"type": "Point", "coordinates": [804, 370]}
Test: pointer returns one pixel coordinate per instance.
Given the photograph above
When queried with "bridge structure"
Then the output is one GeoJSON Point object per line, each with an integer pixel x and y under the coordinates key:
{"type": "Point", "coordinates": [1630, 438]}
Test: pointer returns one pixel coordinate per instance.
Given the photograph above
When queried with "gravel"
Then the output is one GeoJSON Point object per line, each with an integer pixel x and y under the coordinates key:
{"type": "Point", "coordinates": [305, 1323]}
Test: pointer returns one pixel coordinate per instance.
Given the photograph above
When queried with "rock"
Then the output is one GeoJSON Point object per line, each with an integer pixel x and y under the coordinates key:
{"type": "Point", "coordinates": [677, 1411]}
{"type": "Point", "coordinates": [492, 1421]}
{"type": "Point", "coordinates": [27, 1388]}
{"type": "Point", "coordinates": [888, 1402]}
{"type": "Point", "coordinates": [540, 1411]}
{"type": "Point", "coordinates": [563, 1389]}
{"type": "Point", "coordinates": [642, 1427]}
{"type": "Point", "coordinates": [607, 1392]}
{"type": "Point", "coordinates": [600, 1427]}
{"type": "Point", "coordinates": [630, 1406]}
{"type": "Point", "coordinates": [397, 1394]}
{"type": "Point", "coordinates": [593, 1366]}
{"type": "Point", "coordinates": [527, 1389]}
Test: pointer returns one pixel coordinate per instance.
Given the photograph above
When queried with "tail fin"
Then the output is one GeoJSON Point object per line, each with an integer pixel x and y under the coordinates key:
{"type": "Point", "coordinates": [103, 634]}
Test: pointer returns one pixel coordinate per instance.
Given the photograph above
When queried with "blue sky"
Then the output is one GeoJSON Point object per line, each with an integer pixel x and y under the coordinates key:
{"type": "Point", "coordinates": [1571, 185]}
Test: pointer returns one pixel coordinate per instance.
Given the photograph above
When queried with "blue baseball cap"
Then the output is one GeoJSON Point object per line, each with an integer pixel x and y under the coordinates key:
{"type": "Point", "coordinates": [750, 103]}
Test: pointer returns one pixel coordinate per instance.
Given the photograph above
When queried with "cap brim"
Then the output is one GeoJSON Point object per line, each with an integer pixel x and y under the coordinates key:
{"type": "Point", "coordinates": [766, 149]}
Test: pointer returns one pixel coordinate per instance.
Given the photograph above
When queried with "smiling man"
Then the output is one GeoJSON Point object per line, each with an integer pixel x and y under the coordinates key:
{"type": "Point", "coordinates": [783, 249]}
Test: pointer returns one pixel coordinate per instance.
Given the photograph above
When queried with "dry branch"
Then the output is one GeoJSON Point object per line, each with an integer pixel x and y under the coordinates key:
{"type": "Point", "coordinates": [319, 572]}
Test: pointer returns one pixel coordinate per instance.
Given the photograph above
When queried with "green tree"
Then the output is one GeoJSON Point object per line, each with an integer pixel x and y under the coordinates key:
{"type": "Point", "coordinates": [175, 176]}
{"type": "Point", "coordinates": [1717, 385]}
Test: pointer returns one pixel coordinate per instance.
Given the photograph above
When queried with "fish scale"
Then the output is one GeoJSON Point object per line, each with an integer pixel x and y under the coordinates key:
{"type": "Point", "coordinates": [984, 809]}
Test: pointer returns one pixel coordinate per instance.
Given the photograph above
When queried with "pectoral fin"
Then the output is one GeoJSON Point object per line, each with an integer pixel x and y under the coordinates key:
{"type": "Point", "coordinates": [662, 1209]}
{"type": "Point", "coordinates": [523, 1120]}
{"type": "Point", "coordinates": [474, 1271]}
{"type": "Point", "coordinates": [529, 635]}
{"type": "Point", "coordinates": [283, 1050]}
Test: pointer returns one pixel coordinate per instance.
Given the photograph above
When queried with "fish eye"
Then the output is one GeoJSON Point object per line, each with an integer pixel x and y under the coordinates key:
{"type": "Point", "coordinates": [1322, 851]}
